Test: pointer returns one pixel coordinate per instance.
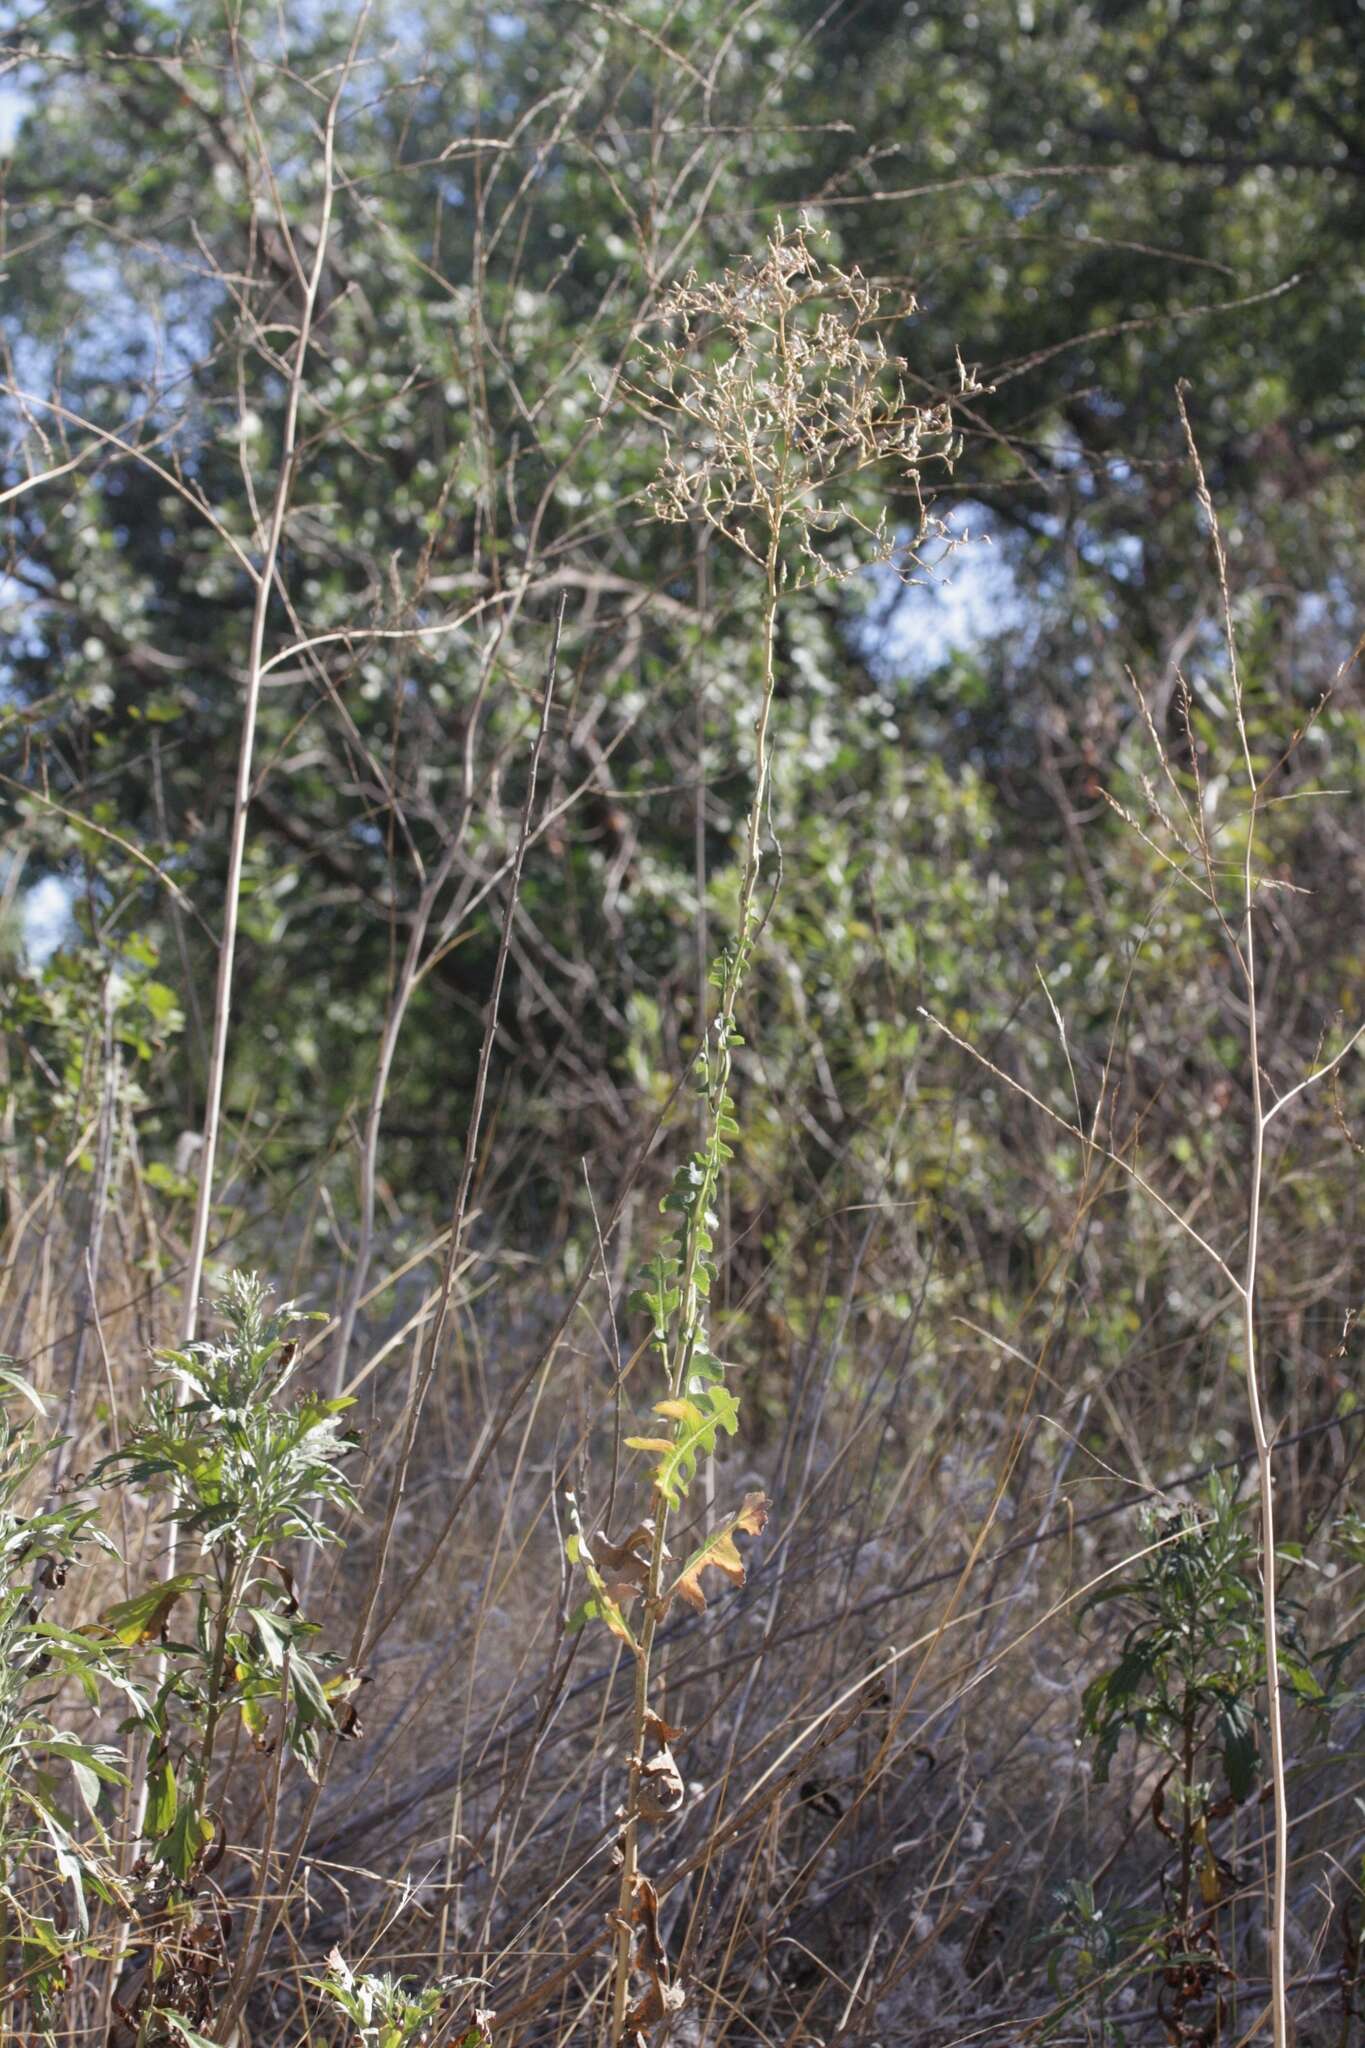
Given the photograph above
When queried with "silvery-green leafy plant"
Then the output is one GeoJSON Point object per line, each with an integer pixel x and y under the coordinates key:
{"type": "Point", "coordinates": [53, 1848]}
{"type": "Point", "coordinates": [384, 2011]}
{"type": "Point", "coordinates": [248, 1464]}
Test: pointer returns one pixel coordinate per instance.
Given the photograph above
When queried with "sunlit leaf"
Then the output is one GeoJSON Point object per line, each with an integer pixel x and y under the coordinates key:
{"type": "Point", "coordinates": [719, 1552]}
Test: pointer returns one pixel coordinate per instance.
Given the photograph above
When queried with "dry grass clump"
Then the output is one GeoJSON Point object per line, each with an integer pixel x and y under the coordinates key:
{"type": "Point", "coordinates": [883, 1794]}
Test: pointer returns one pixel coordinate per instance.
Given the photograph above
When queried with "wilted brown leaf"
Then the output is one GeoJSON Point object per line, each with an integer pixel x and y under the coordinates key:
{"type": "Point", "coordinates": [656, 2002]}
{"type": "Point", "coordinates": [660, 1997]}
{"type": "Point", "coordinates": [649, 1945]}
{"type": "Point", "coordinates": [625, 1566]}
{"type": "Point", "coordinates": [661, 1787]}
{"type": "Point", "coordinates": [605, 1603]}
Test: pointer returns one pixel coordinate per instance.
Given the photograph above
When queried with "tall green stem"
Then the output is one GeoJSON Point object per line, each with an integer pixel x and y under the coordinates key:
{"type": "Point", "coordinates": [718, 1058]}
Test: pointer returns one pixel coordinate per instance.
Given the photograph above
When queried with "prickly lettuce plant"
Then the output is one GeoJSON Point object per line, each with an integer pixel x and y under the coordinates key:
{"type": "Point", "coordinates": [775, 390]}
{"type": "Point", "coordinates": [53, 1858]}
{"type": "Point", "coordinates": [248, 1466]}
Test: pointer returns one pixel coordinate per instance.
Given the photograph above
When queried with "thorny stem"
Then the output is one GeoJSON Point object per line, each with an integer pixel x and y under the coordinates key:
{"type": "Point", "coordinates": [719, 1060]}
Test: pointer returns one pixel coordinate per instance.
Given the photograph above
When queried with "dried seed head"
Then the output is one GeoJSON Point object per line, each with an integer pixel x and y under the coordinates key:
{"type": "Point", "coordinates": [775, 391]}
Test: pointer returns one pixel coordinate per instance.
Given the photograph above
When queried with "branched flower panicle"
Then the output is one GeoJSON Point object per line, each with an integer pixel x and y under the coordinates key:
{"type": "Point", "coordinates": [776, 390]}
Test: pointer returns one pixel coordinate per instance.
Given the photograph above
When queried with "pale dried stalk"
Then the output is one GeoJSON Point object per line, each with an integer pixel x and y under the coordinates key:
{"type": "Point", "coordinates": [284, 485]}
{"type": "Point", "coordinates": [1243, 1285]}
{"type": "Point", "coordinates": [367, 1630]}
{"type": "Point", "coordinates": [1245, 951]}
{"type": "Point", "coordinates": [265, 583]}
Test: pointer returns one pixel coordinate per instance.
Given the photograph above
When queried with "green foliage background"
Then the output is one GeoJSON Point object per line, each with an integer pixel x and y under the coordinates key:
{"type": "Point", "coordinates": [1089, 203]}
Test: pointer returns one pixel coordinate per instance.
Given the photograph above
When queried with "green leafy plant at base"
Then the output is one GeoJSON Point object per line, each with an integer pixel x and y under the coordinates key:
{"type": "Point", "coordinates": [1185, 1686]}
{"type": "Point", "coordinates": [52, 1863]}
{"type": "Point", "coordinates": [383, 2011]}
{"type": "Point", "coordinates": [1090, 1954]}
{"type": "Point", "coordinates": [248, 1466]}
{"type": "Point", "coordinates": [775, 391]}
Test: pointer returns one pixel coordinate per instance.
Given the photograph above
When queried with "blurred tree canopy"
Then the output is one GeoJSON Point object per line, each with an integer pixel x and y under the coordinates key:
{"type": "Point", "coordinates": [1089, 202]}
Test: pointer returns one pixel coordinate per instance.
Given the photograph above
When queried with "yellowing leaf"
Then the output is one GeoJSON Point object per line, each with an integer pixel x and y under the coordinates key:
{"type": "Point", "coordinates": [697, 1426]}
{"type": "Point", "coordinates": [144, 1616]}
{"type": "Point", "coordinates": [720, 1553]}
{"type": "Point", "coordinates": [752, 1518]}
{"type": "Point", "coordinates": [681, 1411]}
{"type": "Point", "coordinates": [602, 1605]}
